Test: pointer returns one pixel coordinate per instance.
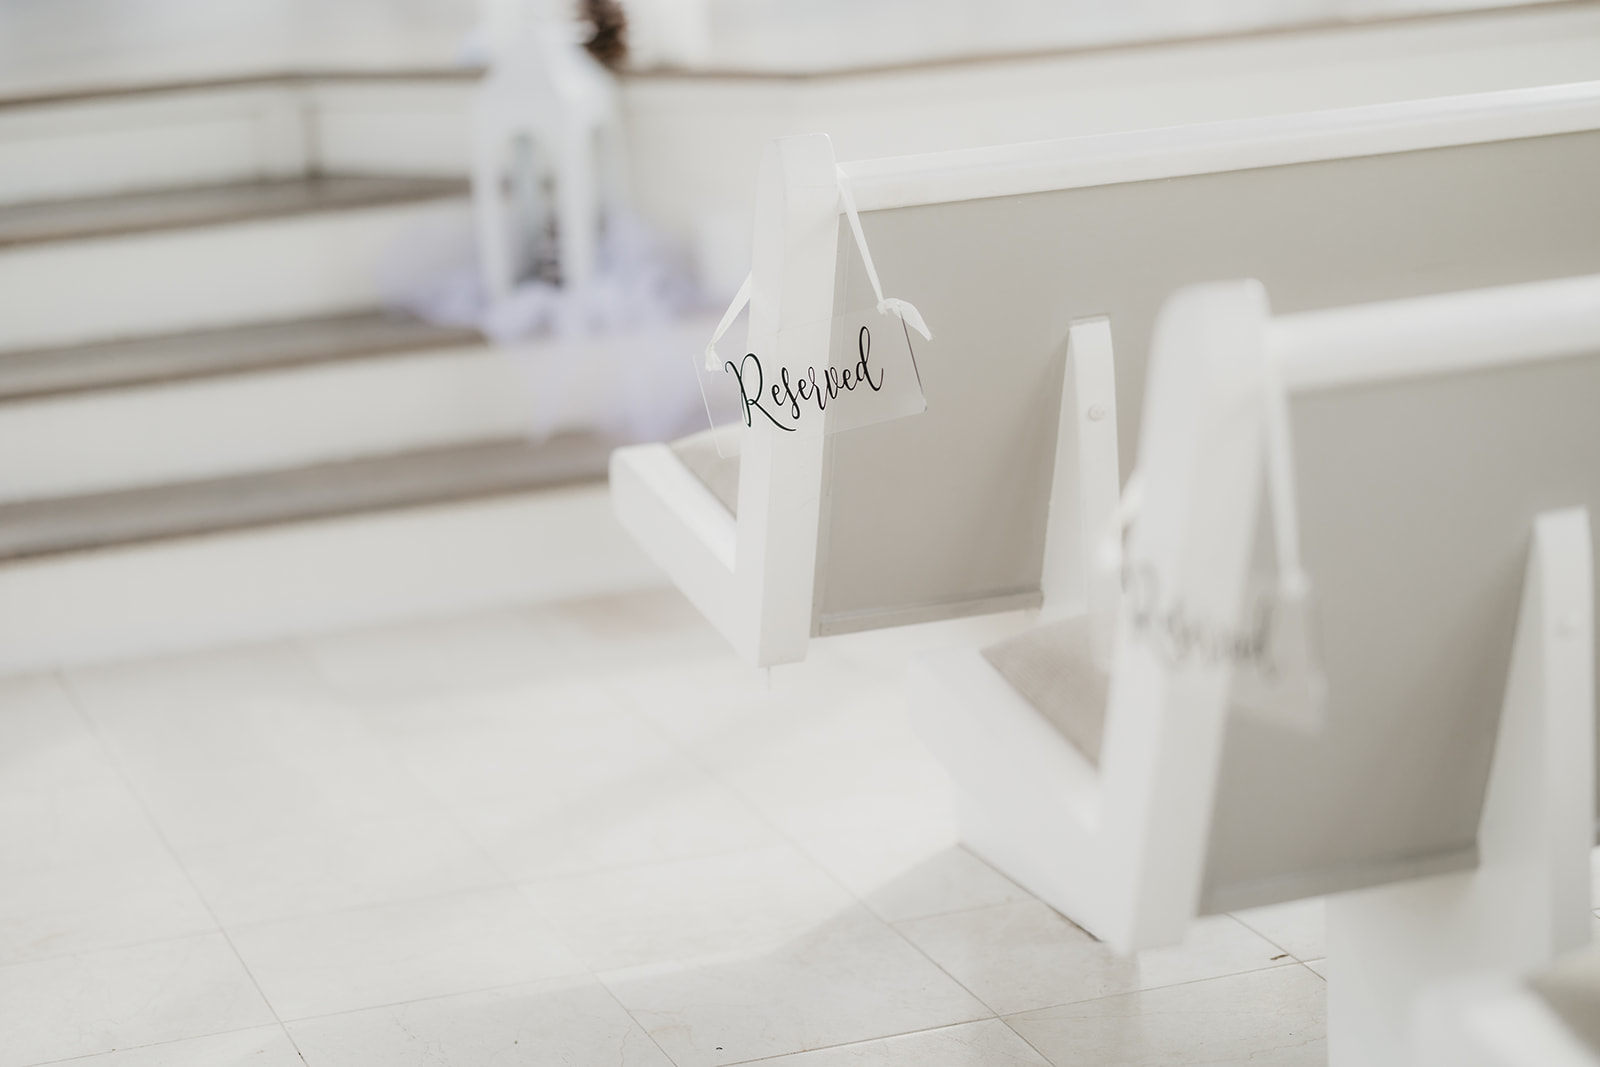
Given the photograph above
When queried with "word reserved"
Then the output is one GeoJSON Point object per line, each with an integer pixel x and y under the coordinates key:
{"type": "Point", "coordinates": [1178, 637]}
{"type": "Point", "coordinates": [790, 399]}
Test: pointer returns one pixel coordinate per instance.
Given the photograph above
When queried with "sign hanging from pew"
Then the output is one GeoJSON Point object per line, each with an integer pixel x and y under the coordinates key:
{"type": "Point", "coordinates": [868, 373]}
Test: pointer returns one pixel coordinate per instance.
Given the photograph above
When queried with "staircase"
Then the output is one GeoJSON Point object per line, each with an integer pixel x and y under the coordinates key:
{"type": "Point", "coordinates": [209, 431]}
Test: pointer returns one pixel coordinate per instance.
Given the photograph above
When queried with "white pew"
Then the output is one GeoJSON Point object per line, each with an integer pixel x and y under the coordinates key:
{"type": "Point", "coordinates": [1445, 462]}
{"type": "Point", "coordinates": [1003, 249]}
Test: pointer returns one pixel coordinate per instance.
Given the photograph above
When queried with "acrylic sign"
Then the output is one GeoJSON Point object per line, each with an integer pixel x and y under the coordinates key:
{"type": "Point", "coordinates": [868, 374]}
{"type": "Point", "coordinates": [1271, 650]}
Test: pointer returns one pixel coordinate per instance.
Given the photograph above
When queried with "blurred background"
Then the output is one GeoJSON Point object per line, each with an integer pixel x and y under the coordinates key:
{"type": "Point", "coordinates": [318, 314]}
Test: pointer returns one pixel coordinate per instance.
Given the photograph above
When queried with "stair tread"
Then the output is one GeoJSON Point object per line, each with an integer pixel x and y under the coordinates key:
{"type": "Point", "coordinates": [210, 205]}
{"type": "Point", "coordinates": [39, 372]}
{"type": "Point", "coordinates": [38, 528]}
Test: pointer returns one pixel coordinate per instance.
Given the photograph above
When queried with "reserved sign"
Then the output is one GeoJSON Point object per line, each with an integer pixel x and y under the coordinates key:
{"type": "Point", "coordinates": [792, 399]}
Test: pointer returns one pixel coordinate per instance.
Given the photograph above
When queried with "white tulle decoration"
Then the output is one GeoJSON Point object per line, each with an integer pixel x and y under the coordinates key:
{"type": "Point", "coordinates": [598, 357]}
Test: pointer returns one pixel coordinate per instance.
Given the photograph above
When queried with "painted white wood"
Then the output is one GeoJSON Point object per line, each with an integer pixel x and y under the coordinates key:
{"type": "Point", "coordinates": [1017, 783]}
{"type": "Point", "coordinates": [1085, 487]}
{"type": "Point", "coordinates": [805, 39]}
{"type": "Point", "coordinates": [1121, 849]}
{"type": "Point", "coordinates": [780, 472]}
{"type": "Point", "coordinates": [1528, 900]}
{"type": "Point", "coordinates": [393, 126]}
{"type": "Point", "coordinates": [695, 543]}
{"type": "Point", "coordinates": [276, 129]}
{"type": "Point", "coordinates": [123, 438]}
{"type": "Point", "coordinates": [1239, 146]}
{"type": "Point", "coordinates": [66, 44]}
{"type": "Point", "coordinates": [324, 263]}
{"type": "Point", "coordinates": [765, 611]}
{"type": "Point", "coordinates": [73, 45]}
{"type": "Point", "coordinates": [1208, 148]}
{"type": "Point", "coordinates": [121, 144]}
{"type": "Point", "coordinates": [700, 139]}
{"type": "Point", "coordinates": [274, 582]}
{"type": "Point", "coordinates": [294, 416]}
{"type": "Point", "coordinates": [1441, 334]}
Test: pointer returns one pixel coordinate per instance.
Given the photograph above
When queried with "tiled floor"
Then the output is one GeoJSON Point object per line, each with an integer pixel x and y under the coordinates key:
{"type": "Point", "coordinates": [581, 834]}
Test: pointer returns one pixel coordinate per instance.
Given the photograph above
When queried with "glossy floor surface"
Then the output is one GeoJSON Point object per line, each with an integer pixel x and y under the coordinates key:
{"type": "Point", "coordinates": [581, 834]}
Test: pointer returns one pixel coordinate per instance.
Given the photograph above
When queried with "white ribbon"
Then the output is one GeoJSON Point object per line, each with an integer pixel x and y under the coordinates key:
{"type": "Point", "coordinates": [1293, 585]}
{"type": "Point", "coordinates": [886, 305]}
{"type": "Point", "coordinates": [740, 299]}
{"type": "Point", "coordinates": [908, 314]}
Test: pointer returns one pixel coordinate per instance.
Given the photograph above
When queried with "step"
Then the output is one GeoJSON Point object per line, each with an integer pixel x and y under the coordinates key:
{"type": "Point", "coordinates": [208, 205]}
{"type": "Point", "coordinates": [94, 269]}
{"type": "Point", "coordinates": [39, 528]}
{"type": "Point", "coordinates": [192, 407]}
{"type": "Point", "coordinates": [122, 139]}
{"type": "Point", "coordinates": [272, 582]}
{"type": "Point", "coordinates": [273, 555]}
{"type": "Point", "coordinates": [58, 371]}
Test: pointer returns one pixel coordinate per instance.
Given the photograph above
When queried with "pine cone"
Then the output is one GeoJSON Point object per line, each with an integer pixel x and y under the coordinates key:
{"type": "Point", "coordinates": [610, 41]}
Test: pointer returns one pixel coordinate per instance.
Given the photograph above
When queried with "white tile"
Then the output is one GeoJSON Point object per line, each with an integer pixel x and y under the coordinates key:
{"type": "Point", "coordinates": [247, 743]}
{"type": "Point", "coordinates": [561, 1022]}
{"type": "Point", "coordinates": [850, 978]}
{"type": "Point", "coordinates": [847, 781]}
{"type": "Point", "coordinates": [81, 868]}
{"type": "Point", "coordinates": [1021, 956]}
{"type": "Point", "coordinates": [120, 998]}
{"type": "Point", "coordinates": [651, 616]}
{"type": "Point", "coordinates": [559, 780]}
{"type": "Point", "coordinates": [664, 811]}
{"type": "Point", "coordinates": [728, 715]}
{"type": "Point", "coordinates": [745, 902]}
{"type": "Point", "coordinates": [336, 866]}
{"type": "Point", "coordinates": [951, 879]}
{"type": "Point", "coordinates": [1298, 927]}
{"type": "Point", "coordinates": [1272, 1018]}
{"type": "Point", "coordinates": [414, 950]}
{"type": "Point", "coordinates": [255, 765]}
{"type": "Point", "coordinates": [214, 680]}
{"type": "Point", "coordinates": [1594, 877]}
{"type": "Point", "coordinates": [1318, 967]}
{"type": "Point", "coordinates": [905, 868]}
{"type": "Point", "coordinates": [492, 744]}
{"type": "Point", "coordinates": [47, 745]}
{"type": "Point", "coordinates": [92, 905]}
{"type": "Point", "coordinates": [480, 651]}
{"type": "Point", "coordinates": [841, 774]}
{"type": "Point", "coordinates": [636, 632]}
{"type": "Point", "coordinates": [211, 803]}
{"type": "Point", "coordinates": [71, 824]}
{"type": "Point", "coordinates": [986, 1043]}
{"type": "Point", "coordinates": [261, 1046]}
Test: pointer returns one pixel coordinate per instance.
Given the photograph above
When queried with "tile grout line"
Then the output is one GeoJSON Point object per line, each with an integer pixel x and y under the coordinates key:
{"type": "Point", "coordinates": [484, 853]}
{"type": "Point", "coordinates": [1274, 944]}
{"type": "Point", "coordinates": [826, 872]}
{"type": "Point", "coordinates": [79, 705]}
{"type": "Point", "coordinates": [120, 946]}
{"type": "Point", "coordinates": [383, 744]}
{"type": "Point", "coordinates": [612, 993]}
{"type": "Point", "coordinates": [1286, 965]}
{"type": "Point", "coordinates": [444, 807]}
{"type": "Point", "coordinates": [155, 1044]}
{"type": "Point", "coordinates": [865, 1040]}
